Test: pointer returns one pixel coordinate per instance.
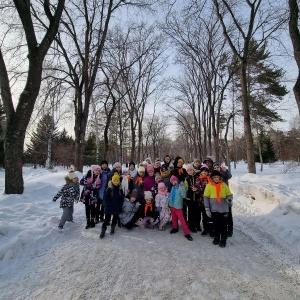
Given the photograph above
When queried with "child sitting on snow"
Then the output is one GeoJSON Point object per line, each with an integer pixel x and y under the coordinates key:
{"type": "Point", "coordinates": [162, 206]}
{"type": "Point", "coordinates": [69, 193]}
{"type": "Point", "coordinates": [148, 215]}
{"type": "Point", "coordinates": [130, 207]}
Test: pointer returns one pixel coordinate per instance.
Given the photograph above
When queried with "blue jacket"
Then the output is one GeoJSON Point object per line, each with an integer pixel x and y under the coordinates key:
{"type": "Point", "coordinates": [104, 182]}
{"type": "Point", "coordinates": [175, 198]}
{"type": "Point", "coordinates": [113, 200]}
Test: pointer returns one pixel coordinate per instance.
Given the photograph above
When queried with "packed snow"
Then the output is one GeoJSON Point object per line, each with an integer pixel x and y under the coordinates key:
{"type": "Point", "coordinates": [261, 259]}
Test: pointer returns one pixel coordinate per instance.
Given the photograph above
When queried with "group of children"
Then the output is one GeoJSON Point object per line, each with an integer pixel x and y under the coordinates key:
{"type": "Point", "coordinates": [154, 195]}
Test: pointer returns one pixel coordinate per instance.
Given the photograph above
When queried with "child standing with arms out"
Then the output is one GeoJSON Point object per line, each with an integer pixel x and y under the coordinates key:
{"type": "Point", "coordinates": [113, 202]}
{"type": "Point", "coordinates": [175, 202]}
{"type": "Point", "coordinates": [162, 206]}
{"type": "Point", "coordinates": [217, 196]}
{"type": "Point", "coordinates": [68, 193]}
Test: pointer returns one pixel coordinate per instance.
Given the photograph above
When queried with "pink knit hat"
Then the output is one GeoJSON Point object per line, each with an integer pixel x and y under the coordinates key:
{"type": "Point", "coordinates": [160, 186]}
{"type": "Point", "coordinates": [173, 178]}
{"type": "Point", "coordinates": [94, 167]}
{"type": "Point", "coordinates": [150, 168]}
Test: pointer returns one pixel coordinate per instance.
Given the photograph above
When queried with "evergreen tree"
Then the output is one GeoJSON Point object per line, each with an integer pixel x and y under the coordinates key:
{"type": "Point", "coordinates": [89, 155]}
{"type": "Point", "coordinates": [36, 152]}
{"type": "Point", "coordinates": [268, 153]}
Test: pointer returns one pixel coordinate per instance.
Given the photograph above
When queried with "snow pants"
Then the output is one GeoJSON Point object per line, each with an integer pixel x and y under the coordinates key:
{"type": "Point", "coordinates": [67, 215]}
{"type": "Point", "coordinates": [220, 224]}
{"type": "Point", "coordinates": [177, 214]}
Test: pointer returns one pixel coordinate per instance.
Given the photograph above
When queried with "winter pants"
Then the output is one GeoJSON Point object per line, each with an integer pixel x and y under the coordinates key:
{"type": "Point", "coordinates": [107, 220]}
{"type": "Point", "coordinates": [67, 215]}
{"type": "Point", "coordinates": [178, 214]}
{"type": "Point", "coordinates": [90, 211]}
{"type": "Point", "coordinates": [206, 221]}
{"type": "Point", "coordinates": [230, 221]}
{"type": "Point", "coordinates": [220, 224]}
{"type": "Point", "coordinates": [99, 210]}
{"type": "Point", "coordinates": [194, 214]}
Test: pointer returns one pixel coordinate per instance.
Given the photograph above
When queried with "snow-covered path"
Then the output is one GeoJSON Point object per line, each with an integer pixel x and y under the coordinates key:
{"type": "Point", "coordinates": [74, 263]}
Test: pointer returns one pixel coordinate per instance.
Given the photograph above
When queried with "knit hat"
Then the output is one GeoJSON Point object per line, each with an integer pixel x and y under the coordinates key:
{"type": "Point", "coordinates": [124, 170]}
{"type": "Point", "coordinates": [157, 175]}
{"type": "Point", "coordinates": [160, 186]}
{"type": "Point", "coordinates": [134, 194]}
{"type": "Point", "coordinates": [181, 160]}
{"type": "Point", "coordinates": [216, 164]}
{"type": "Point", "coordinates": [116, 177]}
{"type": "Point", "coordinates": [215, 173]}
{"type": "Point", "coordinates": [150, 168]}
{"type": "Point", "coordinates": [204, 167]}
{"type": "Point", "coordinates": [208, 158]}
{"type": "Point", "coordinates": [72, 175]}
{"type": "Point", "coordinates": [174, 178]}
{"type": "Point", "coordinates": [94, 167]}
{"type": "Point", "coordinates": [148, 195]}
{"type": "Point", "coordinates": [189, 167]}
{"type": "Point", "coordinates": [104, 162]}
{"type": "Point", "coordinates": [141, 169]}
{"type": "Point", "coordinates": [116, 165]}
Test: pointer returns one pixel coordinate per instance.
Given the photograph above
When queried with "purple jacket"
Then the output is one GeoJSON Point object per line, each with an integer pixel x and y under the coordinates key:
{"type": "Point", "coordinates": [149, 182]}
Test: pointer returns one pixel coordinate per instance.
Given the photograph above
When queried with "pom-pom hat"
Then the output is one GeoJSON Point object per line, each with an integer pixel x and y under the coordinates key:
{"type": "Point", "coordinates": [72, 175]}
{"type": "Point", "coordinates": [148, 195]}
{"type": "Point", "coordinates": [115, 178]}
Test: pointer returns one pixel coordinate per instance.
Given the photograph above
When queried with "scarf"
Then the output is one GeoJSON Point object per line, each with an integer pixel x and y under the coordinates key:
{"type": "Point", "coordinates": [180, 171]}
{"type": "Point", "coordinates": [218, 189]}
{"type": "Point", "coordinates": [75, 186]}
{"type": "Point", "coordinates": [139, 180]}
{"type": "Point", "coordinates": [146, 208]}
{"type": "Point", "coordinates": [165, 192]}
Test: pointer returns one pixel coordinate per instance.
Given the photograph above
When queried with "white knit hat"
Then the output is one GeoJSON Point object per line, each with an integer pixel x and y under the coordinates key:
{"type": "Point", "coordinates": [72, 175]}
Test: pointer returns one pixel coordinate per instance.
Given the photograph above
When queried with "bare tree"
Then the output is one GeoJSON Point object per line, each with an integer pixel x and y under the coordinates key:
{"type": "Point", "coordinates": [295, 37]}
{"type": "Point", "coordinates": [18, 118]}
{"type": "Point", "coordinates": [239, 30]}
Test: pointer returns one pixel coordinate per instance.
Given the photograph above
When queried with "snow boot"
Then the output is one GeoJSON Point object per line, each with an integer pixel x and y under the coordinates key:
{"type": "Point", "coordinates": [112, 229]}
{"type": "Point", "coordinates": [88, 224]}
{"type": "Point", "coordinates": [222, 243]}
{"type": "Point", "coordinates": [229, 233]}
{"type": "Point", "coordinates": [174, 230]}
{"type": "Point", "coordinates": [216, 241]}
{"type": "Point", "coordinates": [204, 232]}
{"type": "Point", "coordinates": [102, 234]}
{"type": "Point", "coordinates": [92, 223]}
{"type": "Point", "coordinates": [188, 237]}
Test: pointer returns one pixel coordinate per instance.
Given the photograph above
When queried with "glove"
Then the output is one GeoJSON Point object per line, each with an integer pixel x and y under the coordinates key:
{"type": "Point", "coordinates": [208, 213]}
{"type": "Point", "coordinates": [228, 200]}
{"type": "Point", "coordinates": [89, 180]}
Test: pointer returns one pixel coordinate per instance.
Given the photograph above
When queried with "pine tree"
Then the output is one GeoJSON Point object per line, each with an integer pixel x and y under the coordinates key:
{"type": "Point", "coordinates": [89, 155]}
{"type": "Point", "coordinates": [268, 154]}
{"type": "Point", "coordinates": [37, 149]}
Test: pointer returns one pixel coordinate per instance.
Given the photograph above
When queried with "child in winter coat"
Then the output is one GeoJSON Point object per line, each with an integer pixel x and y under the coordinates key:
{"type": "Point", "coordinates": [148, 214]}
{"type": "Point", "coordinates": [69, 193]}
{"type": "Point", "coordinates": [91, 183]}
{"type": "Point", "coordinates": [138, 182]}
{"type": "Point", "coordinates": [105, 171]}
{"type": "Point", "coordinates": [226, 175]}
{"type": "Point", "coordinates": [193, 189]}
{"type": "Point", "coordinates": [175, 202]}
{"type": "Point", "coordinates": [113, 202]}
{"type": "Point", "coordinates": [217, 195]}
{"type": "Point", "coordinates": [130, 207]}
{"type": "Point", "coordinates": [162, 206]}
{"type": "Point", "coordinates": [157, 180]}
{"type": "Point", "coordinates": [149, 180]}
{"type": "Point", "coordinates": [126, 182]}
{"type": "Point", "coordinates": [206, 221]}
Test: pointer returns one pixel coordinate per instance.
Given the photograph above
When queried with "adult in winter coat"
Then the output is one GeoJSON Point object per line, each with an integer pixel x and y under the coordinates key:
{"type": "Point", "coordinates": [167, 164]}
{"type": "Point", "coordinates": [91, 183]}
{"type": "Point", "coordinates": [113, 202]}
{"type": "Point", "coordinates": [129, 214]}
{"type": "Point", "coordinates": [69, 193]}
{"type": "Point", "coordinates": [105, 171]}
{"type": "Point", "coordinates": [217, 195]}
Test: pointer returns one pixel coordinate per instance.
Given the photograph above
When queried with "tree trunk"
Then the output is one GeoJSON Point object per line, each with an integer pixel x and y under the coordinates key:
{"type": "Point", "coordinates": [247, 122]}
{"type": "Point", "coordinates": [295, 37]}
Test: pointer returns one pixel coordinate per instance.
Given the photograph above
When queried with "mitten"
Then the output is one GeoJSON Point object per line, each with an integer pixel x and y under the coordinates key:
{"type": "Point", "coordinates": [89, 180]}
{"type": "Point", "coordinates": [208, 213]}
{"type": "Point", "coordinates": [228, 200]}
{"type": "Point", "coordinates": [110, 185]}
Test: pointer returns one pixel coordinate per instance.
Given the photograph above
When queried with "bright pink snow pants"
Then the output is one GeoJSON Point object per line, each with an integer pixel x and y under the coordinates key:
{"type": "Point", "coordinates": [177, 214]}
